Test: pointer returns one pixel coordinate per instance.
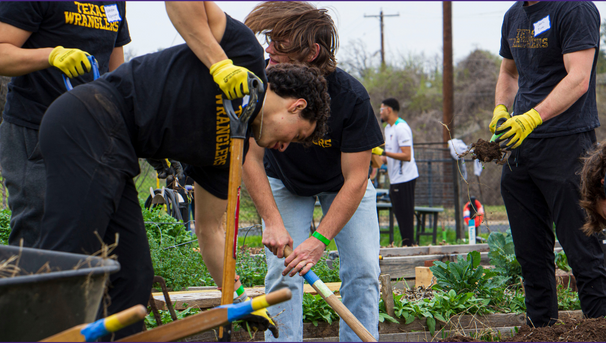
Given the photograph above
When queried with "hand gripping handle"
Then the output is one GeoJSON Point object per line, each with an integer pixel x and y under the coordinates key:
{"type": "Point", "coordinates": [250, 102]}
{"type": "Point", "coordinates": [94, 64]}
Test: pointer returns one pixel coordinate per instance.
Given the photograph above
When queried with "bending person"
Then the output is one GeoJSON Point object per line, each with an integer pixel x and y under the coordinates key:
{"type": "Point", "coordinates": [335, 169]}
{"type": "Point", "coordinates": [161, 105]}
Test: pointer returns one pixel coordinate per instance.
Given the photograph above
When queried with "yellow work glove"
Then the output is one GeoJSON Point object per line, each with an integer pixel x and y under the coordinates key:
{"type": "Point", "coordinates": [500, 112]}
{"type": "Point", "coordinates": [517, 128]}
{"type": "Point", "coordinates": [72, 62]}
{"type": "Point", "coordinates": [233, 80]}
{"type": "Point", "coordinates": [378, 151]}
{"type": "Point", "coordinates": [260, 320]}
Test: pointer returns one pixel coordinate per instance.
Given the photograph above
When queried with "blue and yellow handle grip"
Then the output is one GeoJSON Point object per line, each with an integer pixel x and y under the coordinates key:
{"type": "Point", "coordinates": [93, 331]}
{"type": "Point", "coordinates": [237, 311]}
{"type": "Point", "coordinates": [207, 320]}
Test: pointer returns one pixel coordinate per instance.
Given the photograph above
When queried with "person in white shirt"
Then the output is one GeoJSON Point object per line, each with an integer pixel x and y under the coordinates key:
{"type": "Point", "coordinates": [401, 167]}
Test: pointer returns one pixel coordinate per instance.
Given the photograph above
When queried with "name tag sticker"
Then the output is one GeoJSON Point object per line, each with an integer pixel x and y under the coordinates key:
{"type": "Point", "coordinates": [112, 14]}
{"type": "Point", "coordinates": [542, 26]}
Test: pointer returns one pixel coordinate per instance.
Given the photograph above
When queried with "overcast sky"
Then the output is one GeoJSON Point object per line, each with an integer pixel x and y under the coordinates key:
{"type": "Point", "coordinates": [417, 29]}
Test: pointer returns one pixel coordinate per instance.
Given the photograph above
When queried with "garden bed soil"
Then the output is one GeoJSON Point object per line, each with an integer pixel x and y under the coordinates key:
{"type": "Point", "coordinates": [417, 331]}
{"type": "Point", "coordinates": [572, 330]}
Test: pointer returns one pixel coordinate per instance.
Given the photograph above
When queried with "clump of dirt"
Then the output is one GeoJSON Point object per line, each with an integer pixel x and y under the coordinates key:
{"type": "Point", "coordinates": [487, 152]}
{"type": "Point", "coordinates": [584, 330]}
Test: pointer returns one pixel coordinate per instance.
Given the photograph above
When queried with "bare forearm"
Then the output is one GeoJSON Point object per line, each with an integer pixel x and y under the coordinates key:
{"type": "Point", "coordinates": [507, 88]}
{"type": "Point", "coordinates": [16, 61]}
{"type": "Point", "coordinates": [116, 58]}
{"type": "Point", "coordinates": [564, 95]}
{"type": "Point", "coordinates": [507, 83]}
{"type": "Point", "coordinates": [400, 156]}
{"type": "Point", "coordinates": [191, 19]}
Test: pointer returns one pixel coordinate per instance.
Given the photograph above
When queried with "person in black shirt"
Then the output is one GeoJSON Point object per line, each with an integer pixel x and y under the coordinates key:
{"type": "Point", "coordinates": [39, 42]}
{"type": "Point", "coordinates": [163, 105]}
{"type": "Point", "coordinates": [547, 77]}
{"type": "Point", "coordinates": [335, 169]}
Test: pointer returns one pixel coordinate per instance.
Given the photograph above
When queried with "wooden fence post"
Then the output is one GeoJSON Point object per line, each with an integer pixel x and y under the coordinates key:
{"type": "Point", "coordinates": [387, 293]}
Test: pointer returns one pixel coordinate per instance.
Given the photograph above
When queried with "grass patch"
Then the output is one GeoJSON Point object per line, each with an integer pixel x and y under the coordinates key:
{"type": "Point", "coordinates": [448, 236]}
{"type": "Point", "coordinates": [251, 241]}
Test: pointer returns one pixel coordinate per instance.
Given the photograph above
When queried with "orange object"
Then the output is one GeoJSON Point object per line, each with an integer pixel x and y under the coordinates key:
{"type": "Point", "coordinates": [477, 207]}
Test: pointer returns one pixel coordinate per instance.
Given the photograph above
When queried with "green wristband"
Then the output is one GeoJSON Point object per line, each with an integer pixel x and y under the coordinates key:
{"type": "Point", "coordinates": [321, 238]}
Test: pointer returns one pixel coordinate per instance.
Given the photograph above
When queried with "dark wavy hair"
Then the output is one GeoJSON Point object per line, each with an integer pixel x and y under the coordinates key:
{"type": "Point", "coordinates": [300, 81]}
{"type": "Point", "coordinates": [302, 25]}
{"type": "Point", "coordinates": [393, 103]}
{"type": "Point", "coordinates": [592, 190]}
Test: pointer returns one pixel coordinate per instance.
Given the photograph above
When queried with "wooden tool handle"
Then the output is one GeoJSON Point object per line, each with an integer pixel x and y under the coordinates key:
{"type": "Point", "coordinates": [101, 327]}
{"type": "Point", "coordinates": [125, 318]}
{"type": "Point", "coordinates": [335, 303]}
{"type": "Point", "coordinates": [205, 320]}
{"type": "Point", "coordinates": [279, 296]}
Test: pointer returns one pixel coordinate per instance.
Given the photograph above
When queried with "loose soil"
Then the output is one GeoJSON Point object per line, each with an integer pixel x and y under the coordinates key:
{"type": "Point", "coordinates": [585, 330]}
{"type": "Point", "coordinates": [487, 152]}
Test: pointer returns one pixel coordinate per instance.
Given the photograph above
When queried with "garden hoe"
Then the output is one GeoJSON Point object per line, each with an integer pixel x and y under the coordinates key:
{"type": "Point", "coordinates": [209, 319]}
{"type": "Point", "coordinates": [335, 303]}
{"type": "Point", "coordinates": [238, 128]}
{"type": "Point", "coordinates": [93, 331]}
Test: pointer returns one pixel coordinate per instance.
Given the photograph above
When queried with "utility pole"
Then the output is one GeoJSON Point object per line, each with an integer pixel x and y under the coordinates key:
{"type": "Point", "coordinates": [380, 16]}
{"type": "Point", "coordinates": [447, 76]}
{"type": "Point", "coordinates": [448, 110]}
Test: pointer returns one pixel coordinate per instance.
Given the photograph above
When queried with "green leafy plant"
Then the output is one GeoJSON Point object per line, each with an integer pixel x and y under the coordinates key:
{"type": "Point", "coordinates": [150, 320]}
{"type": "Point", "coordinates": [251, 269]}
{"type": "Point", "coordinates": [466, 275]}
{"type": "Point", "coordinates": [502, 255]}
{"type": "Point", "coordinates": [161, 227]}
{"type": "Point", "coordinates": [5, 228]}
{"type": "Point", "coordinates": [181, 266]}
{"type": "Point", "coordinates": [316, 310]}
{"type": "Point", "coordinates": [440, 308]}
{"type": "Point", "coordinates": [326, 274]}
{"type": "Point", "coordinates": [568, 300]}
{"type": "Point", "coordinates": [385, 317]}
{"type": "Point", "coordinates": [561, 261]}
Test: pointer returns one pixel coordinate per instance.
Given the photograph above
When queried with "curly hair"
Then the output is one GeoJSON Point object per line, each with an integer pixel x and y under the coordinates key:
{"type": "Point", "coordinates": [592, 190]}
{"type": "Point", "coordinates": [299, 81]}
{"type": "Point", "coordinates": [302, 25]}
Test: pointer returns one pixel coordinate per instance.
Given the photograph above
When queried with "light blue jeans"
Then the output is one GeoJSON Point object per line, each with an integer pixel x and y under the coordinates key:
{"type": "Point", "coordinates": [358, 245]}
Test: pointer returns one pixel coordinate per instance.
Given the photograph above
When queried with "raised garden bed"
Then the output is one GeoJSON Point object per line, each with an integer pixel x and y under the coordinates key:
{"type": "Point", "coordinates": [400, 263]}
{"type": "Point", "coordinates": [417, 331]}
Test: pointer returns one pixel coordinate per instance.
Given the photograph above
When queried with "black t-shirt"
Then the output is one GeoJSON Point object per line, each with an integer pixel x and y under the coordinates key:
{"type": "Point", "coordinates": [353, 127]}
{"type": "Point", "coordinates": [536, 37]}
{"type": "Point", "coordinates": [84, 25]}
{"type": "Point", "coordinates": [175, 109]}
